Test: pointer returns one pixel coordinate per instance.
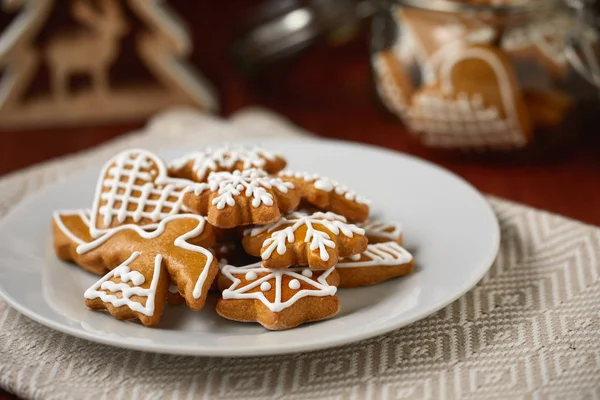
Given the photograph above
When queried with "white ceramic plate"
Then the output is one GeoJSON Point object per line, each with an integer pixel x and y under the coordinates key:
{"type": "Point", "coordinates": [448, 226]}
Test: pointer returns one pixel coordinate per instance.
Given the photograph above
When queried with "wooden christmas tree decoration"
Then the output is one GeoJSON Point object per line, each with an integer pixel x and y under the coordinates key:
{"type": "Point", "coordinates": [91, 50]}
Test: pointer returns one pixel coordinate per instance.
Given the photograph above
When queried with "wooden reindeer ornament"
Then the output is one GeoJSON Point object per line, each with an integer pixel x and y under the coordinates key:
{"type": "Point", "coordinates": [80, 51]}
{"type": "Point", "coordinates": [91, 49]}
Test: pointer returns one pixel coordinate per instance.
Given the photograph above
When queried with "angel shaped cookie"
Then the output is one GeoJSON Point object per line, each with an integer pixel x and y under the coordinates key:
{"type": "Point", "coordinates": [328, 195]}
{"type": "Point", "coordinates": [137, 235]}
{"type": "Point", "coordinates": [277, 299]}
{"type": "Point", "coordinates": [238, 198]}
{"type": "Point", "coordinates": [317, 240]}
{"type": "Point", "coordinates": [198, 165]}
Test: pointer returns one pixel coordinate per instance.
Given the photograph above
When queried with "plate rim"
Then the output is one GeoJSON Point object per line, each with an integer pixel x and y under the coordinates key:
{"type": "Point", "coordinates": [266, 350]}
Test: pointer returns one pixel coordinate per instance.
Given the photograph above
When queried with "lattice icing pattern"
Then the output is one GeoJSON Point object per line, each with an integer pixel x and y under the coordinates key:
{"type": "Point", "coordinates": [380, 230]}
{"type": "Point", "coordinates": [250, 183]}
{"type": "Point", "coordinates": [327, 185]}
{"type": "Point", "coordinates": [134, 189]}
{"type": "Point", "coordinates": [389, 91]}
{"type": "Point", "coordinates": [122, 283]}
{"type": "Point", "coordinates": [259, 283]}
{"type": "Point", "coordinates": [283, 232]}
{"type": "Point", "coordinates": [224, 158]}
{"type": "Point", "coordinates": [377, 255]}
{"type": "Point", "coordinates": [446, 121]}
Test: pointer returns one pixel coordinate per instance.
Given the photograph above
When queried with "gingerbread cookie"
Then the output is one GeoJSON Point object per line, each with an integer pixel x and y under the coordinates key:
{"type": "Point", "coordinates": [71, 228]}
{"type": "Point", "coordinates": [317, 240]}
{"type": "Point", "coordinates": [329, 195]}
{"type": "Point", "coordinates": [175, 251]}
{"type": "Point", "coordinates": [277, 299]}
{"type": "Point", "coordinates": [238, 198]}
{"type": "Point", "coordinates": [392, 81]}
{"type": "Point", "coordinates": [381, 261]}
{"type": "Point", "coordinates": [378, 231]}
{"type": "Point", "coordinates": [474, 102]}
{"type": "Point", "coordinates": [134, 189]}
{"type": "Point", "coordinates": [198, 165]}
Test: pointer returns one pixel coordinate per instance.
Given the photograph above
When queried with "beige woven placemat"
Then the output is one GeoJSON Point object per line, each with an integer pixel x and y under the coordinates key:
{"type": "Point", "coordinates": [529, 329]}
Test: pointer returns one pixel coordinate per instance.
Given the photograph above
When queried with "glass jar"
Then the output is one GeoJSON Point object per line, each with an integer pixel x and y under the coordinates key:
{"type": "Point", "coordinates": [486, 78]}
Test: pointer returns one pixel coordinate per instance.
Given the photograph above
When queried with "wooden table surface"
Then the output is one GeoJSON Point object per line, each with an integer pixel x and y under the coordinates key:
{"type": "Point", "coordinates": [328, 90]}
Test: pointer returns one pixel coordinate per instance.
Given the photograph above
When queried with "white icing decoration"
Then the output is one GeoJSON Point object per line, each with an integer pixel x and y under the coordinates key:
{"type": "Point", "coordinates": [318, 239]}
{"type": "Point", "coordinates": [84, 214]}
{"type": "Point", "coordinates": [326, 185]}
{"type": "Point", "coordinates": [354, 257]}
{"type": "Point", "coordinates": [380, 229]}
{"type": "Point", "coordinates": [250, 182]}
{"type": "Point", "coordinates": [251, 276]}
{"type": "Point", "coordinates": [100, 288]}
{"type": "Point", "coordinates": [389, 91]}
{"type": "Point", "coordinates": [173, 288]}
{"type": "Point", "coordinates": [379, 254]}
{"type": "Point", "coordinates": [180, 241]}
{"type": "Point", "coordinates": [225, 157]}
{"type": "Point", "coordinates": [265, 286]}
{"type": "Point", "coordinates": [275, 279]}
{"type": "Point", "coordinates": [307, 272]}
{"type": "Point", "coordinates": [451, 119]}
{"type": "Point", "coordinates": [294, 284]}
{"type": "Point", "coordinates": [135, 166]}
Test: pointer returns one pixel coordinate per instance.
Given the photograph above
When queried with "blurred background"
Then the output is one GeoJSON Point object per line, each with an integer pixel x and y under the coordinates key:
{"type": "Point", "coordinates": [502, 92]}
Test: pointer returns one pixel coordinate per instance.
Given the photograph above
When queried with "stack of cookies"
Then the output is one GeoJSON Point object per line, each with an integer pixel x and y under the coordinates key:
{"type": "Point", "coordinates": [275, 245]}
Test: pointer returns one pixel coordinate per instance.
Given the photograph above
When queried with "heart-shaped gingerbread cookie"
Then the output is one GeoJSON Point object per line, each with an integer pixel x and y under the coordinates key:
{"type": "Point", "coordinates": [134, 189]}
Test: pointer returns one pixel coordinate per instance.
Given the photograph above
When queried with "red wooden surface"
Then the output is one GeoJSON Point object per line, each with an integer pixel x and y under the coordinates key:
{"type": "Point", "coordinates": [328, 91]}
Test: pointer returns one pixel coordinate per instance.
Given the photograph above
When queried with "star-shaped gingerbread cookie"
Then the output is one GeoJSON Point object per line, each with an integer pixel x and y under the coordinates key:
{"type": "Point", "coordinates": [277, 299]}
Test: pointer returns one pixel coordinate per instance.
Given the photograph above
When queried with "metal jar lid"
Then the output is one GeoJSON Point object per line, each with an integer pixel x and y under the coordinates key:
{"type": "Point", "coordinates": [280, 28]}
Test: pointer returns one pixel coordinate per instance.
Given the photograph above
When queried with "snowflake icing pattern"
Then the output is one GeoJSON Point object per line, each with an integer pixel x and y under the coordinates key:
{"type": "Point", "coordinates": [251, 182]}
{"type": "Point", "coordinates": [317, 239]}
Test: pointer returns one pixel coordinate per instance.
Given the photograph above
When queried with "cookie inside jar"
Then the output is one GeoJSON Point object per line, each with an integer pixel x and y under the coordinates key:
{"type": "Point", "coordinates": [490, 77]}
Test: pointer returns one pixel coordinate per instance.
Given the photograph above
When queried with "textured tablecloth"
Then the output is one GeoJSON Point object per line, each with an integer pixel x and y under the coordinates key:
{"type": "Point", "coordinates": [529, 329]}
